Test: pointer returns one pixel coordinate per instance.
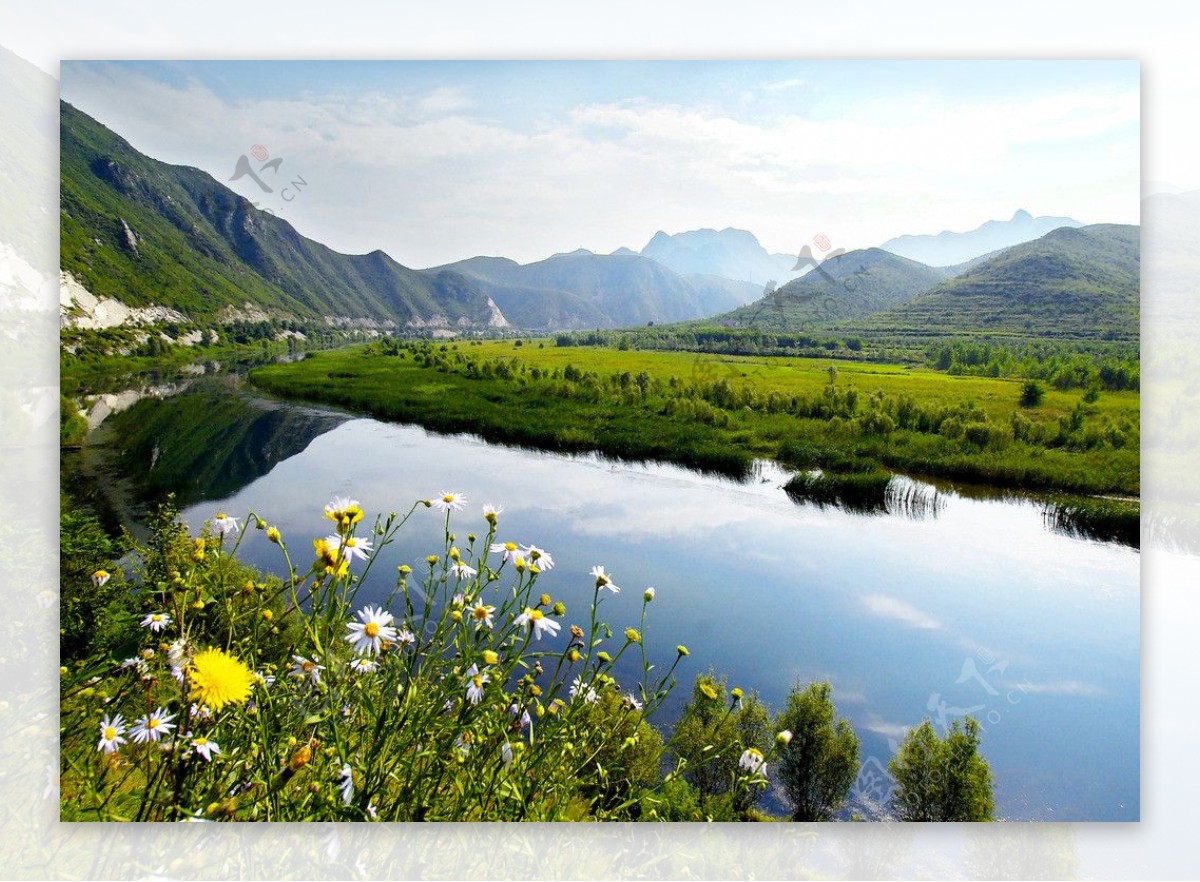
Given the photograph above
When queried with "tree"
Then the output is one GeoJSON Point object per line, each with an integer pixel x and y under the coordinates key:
{"type": "Point", "coordinates": [942, 779]}
{"type": "Point", "coordinates": [1032, 394]}
{"type": "Point", "coordinates": [820, 762]}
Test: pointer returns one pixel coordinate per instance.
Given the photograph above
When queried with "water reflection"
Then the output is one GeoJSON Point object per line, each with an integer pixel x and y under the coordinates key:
{"type": "Point", "coordinates": [890, 608]}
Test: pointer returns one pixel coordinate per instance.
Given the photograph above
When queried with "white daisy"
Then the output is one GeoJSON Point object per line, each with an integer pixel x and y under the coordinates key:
{"type": "Point", "coordinates": [100, 577]}
{"type": "Point", "coordinates": [153, 726]}
{"type": "Point", "coordinates": [604, 580]}
{"type": "Point", "coordinates": [536, 621]}
{"type": "Point", "coordinates": [538, 557]}
{"type": "Point", "coordinates": [373, 627]}
{"type": "Point", "coordinates": [223, 523]}
{"type": "Point", "coordinates": [264, 680]}
{"type": "Point", "coordinates": [482, 616]}
{"type": "Point", "coordinates": [579, 689]}
{"type": "Point", "coordinates": [491, 512]}
{"type": "Point", "coordinates": [156, 621]}
{"type": "Point", "coordinates": [508, 549]}
{"type": "Point", "coordinates": [406, 637]}
{"type": "Point", "coordinates": [462, 571]}
{"type": "Point", "coordinates": [450, 501]}
{"type": "Point", "coordinates": [111, 731]}
{"type": "Point", "coordinates": [631, 699]}
{"type": "Point", "coordinates": [346, 783]}
{"type": "Point", "coordinates": [363, 665]}
{"type": "Point", "coordinates": [352, 546]}
{"type": "Point", "coordinates": [206, 747]}
{"type": "Point", "coordinates": [752, 761]}
{"type": "Point", "coordinates": [302, 667]}
{"type": "Point", "coordinates": [464, 742]}
{"type": "Point", "coordinates": [475, 681]}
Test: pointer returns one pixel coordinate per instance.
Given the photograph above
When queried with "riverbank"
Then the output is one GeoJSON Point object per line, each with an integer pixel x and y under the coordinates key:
{"type": "Point", "coordinates": [719, 414]}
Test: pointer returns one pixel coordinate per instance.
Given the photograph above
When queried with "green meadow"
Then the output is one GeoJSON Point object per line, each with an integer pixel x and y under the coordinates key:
{"type": "Point", "coordinates": [720, 412]}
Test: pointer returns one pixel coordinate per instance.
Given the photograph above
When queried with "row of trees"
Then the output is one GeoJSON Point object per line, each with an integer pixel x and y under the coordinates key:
{"type": "Point", "coordinates": [815, 761]}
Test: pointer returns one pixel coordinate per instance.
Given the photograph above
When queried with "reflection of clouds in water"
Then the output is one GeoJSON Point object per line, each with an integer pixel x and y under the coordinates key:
{"type": "Point", "coordinates": [894, 608]}
{"type": "Point", "coordinates": [1061, 687]}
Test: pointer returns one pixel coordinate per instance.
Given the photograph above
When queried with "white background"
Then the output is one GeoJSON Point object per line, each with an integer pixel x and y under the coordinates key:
{"type": "Point", "coordinates": [34, 845]}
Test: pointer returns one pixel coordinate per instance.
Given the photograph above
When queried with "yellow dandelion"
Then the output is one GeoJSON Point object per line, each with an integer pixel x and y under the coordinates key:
{"type": "Point", "coordinates": [219, 679]}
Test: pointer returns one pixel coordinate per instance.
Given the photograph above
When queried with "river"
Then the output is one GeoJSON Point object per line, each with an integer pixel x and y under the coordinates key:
{"type": "Point", "coordinates": [970, 605]}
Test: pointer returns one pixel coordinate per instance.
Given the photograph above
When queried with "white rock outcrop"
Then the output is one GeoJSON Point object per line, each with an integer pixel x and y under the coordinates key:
{"type": "Point", "coordinates": [80, 308]}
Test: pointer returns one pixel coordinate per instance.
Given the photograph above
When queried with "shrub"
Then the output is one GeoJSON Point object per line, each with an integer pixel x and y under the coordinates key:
{"type": "Point", "coordinates": [1032, 393]}
{"type": "Point", "coordinates": [820, 761]}
{"type": "Point", "coordinates": [942, 779]}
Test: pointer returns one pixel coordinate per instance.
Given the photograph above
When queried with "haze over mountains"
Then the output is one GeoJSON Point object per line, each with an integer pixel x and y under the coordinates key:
{"type": "Point", "coordinates": [148, 234]}
{"type": "Point", "coordinates": [948, 248]}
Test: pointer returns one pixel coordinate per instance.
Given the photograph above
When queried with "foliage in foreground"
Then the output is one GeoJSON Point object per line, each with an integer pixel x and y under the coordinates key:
{"type": "Point", "coordinates": [467, 694]}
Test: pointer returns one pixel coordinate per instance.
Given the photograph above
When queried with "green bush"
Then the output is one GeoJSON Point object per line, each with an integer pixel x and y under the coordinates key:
{"type": "Point", "coordinates": [819, 761]}
{"type": "Point", "coordinates": [942, 779]}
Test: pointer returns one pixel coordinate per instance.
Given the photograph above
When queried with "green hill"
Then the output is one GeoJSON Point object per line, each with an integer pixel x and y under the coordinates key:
{"type": "Point", "coordinates": [1080, 283]}
{"type": "Point", "coordinates": [852, 284]}
{"type": "Point", "coordinates": [144, 232]}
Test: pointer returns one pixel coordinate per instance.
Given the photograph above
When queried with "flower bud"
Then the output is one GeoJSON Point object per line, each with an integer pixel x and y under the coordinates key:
{"type": "Point", "coordinates": [560, 609]}
{"type": "Point", "coordinates": [784, 737]}
{"type": "Point", "coordinates": [273, 535]}
{"type": "Point", "coordinates": [648, 595]}
{"type": "Point", "coordinates": [490, 657]}
{"type": "Point", "coordinates": [682, 650]}
{"type": "Point", "coordinates": [544, 600]}
{"type": "Point", "coordinates": [632, 635]}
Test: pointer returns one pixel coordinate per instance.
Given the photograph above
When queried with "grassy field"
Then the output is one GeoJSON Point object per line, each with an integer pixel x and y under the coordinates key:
{"type": "Point", "coordinates": [719, 412]}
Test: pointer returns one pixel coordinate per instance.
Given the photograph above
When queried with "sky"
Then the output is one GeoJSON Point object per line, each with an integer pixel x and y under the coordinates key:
{"type": "Point", "coordinates": [438, 161]}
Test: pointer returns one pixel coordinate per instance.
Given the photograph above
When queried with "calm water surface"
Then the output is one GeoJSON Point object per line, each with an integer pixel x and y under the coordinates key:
{"type": "Point", "coordinates": [978, 609]}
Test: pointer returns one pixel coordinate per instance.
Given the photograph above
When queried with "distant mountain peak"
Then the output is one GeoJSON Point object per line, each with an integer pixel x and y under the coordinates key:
{"type": "Point", "coordinates": [948, 248]}
{"type": "Point", "coordinates": [730, 253]}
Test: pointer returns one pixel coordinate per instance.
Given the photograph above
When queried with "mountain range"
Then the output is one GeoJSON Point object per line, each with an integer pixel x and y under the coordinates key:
{"type": "Point", "coordinates": [153, 236]}
{"type": "Point", "coordinates": [949, 248]}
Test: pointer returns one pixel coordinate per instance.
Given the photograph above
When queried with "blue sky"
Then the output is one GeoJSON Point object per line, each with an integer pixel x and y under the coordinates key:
{"type": "Point", "coordinates": [436, 161]}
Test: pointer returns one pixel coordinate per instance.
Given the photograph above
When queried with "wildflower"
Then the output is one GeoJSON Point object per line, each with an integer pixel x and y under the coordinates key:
{"type": "Point", "coordinates": [404, 569]}
{"type": "Point", "coordinates": [752, 762]}
{"type": "Point", "coordinates": [267, 615]}
{"type": "Point", "coordinates": [206, 747]}
{"type": "Point", "coordinates": [336, 563]}
{"type": "Point", "coordinates": [506, 755]}
{"type": "Point", "coordinates": [264, 680]}
{"type": "Point", "coordinates": [156, 621]}
{"type": "Point", "coordinates": [579, 689]}
{"type": "Point", "coordinates": [406, 637]}
{"type": "Point", "coordinates": [374, 625]}
{"type": "Point", "coordinates": [682, 650]}
{"type": "Point", "coordinates": [482, 616]}
{"type": "Point", "coordinates": [223, 523]}
{"type": "Point", "coordinates": [462, 571]}
{"type": "Point", "coordinates": [536, 621]}
{"type": "Point", "coordinates": [489, 657]}
{"type": "Point", "coordinates": [632, 701]}
{"type": "Point", "coordinates": [135, 662]}
{"type": "Point", "coordinates": [198, 549]}
{"type": "Point", "coordinates": [508, 549]}
{"type": "Point", "coordinates": [100, 577]}
{"type": "Point", "coordinates": [177, 674]}
{"type": "Point", "coordinates": [344, 512]}
{"type": "Point", "coordinates": [219, 679]}
{"type": "Point", "coordinates": [463, 742]}
{"type": "Point", "coordinates": [153, 726]}
{"type": "Point", "coordinates": [199, 712]}
{"type": "Point", "coordinates": [273, 535]}
{"type": "Point", "coordinates": [111, 731]}
{"type": "Point", "coordinates": [346, 783]}
{"type": "Point", "coordinates": [302, 668]}
{"type": "Point", "coordinates": [708, 691]}
{"type": "Point", "coordinates": [632, 635]}
{"type": "Point", "coordinates": [538, 557]}
{"type": "Point", "coordinates": [352, 546]}
{"type": "Point", "coordinates": [450, 501]}
{"type": "Point", "coordinates": [300, 758]}
{"type": "Point", "coordinates": [475, 681]}
{"type": "Point", "coordinates": [784, 737]}
{"type": "Point", "coordinates": [363, 665]}
{"type": "Point", "coordinates": [648, 595]}
{"type": "Point", "coordinates": [491, 512]}
{"type": "Point", "coordinates": [604, 580]}
{"type": "Point", "coordinates": [519, 564]}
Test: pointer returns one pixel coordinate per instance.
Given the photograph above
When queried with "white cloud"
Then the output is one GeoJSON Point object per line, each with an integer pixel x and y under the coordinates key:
{"type": "Point", "coordinates": [889, 607]}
